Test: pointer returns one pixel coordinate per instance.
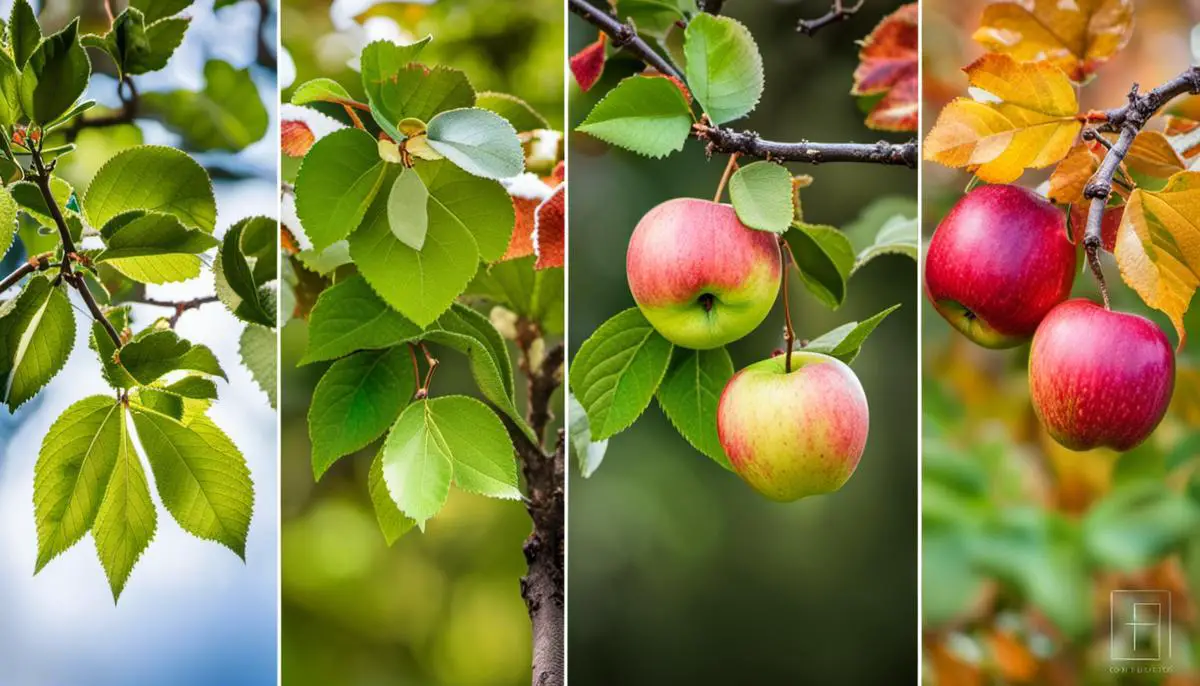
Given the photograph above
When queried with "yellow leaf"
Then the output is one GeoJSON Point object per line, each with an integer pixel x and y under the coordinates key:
{"type": "Point", "coordinates": [1072, 174]}
{"type": "Point", "coordinates": [1158, 246]}
{"type": "Point", "coordinates": [1033, 125]}
{"type": "Point", "coordinates": [1152, 154]}
{"type": "Point", "coordinates": [1078, 36]}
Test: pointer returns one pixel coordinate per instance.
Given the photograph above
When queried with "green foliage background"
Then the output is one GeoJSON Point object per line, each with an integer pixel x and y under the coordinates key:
{"type": "Point", "coordinates": [678, 573]}
{"type": "Point", "coordinates": [442, 607]}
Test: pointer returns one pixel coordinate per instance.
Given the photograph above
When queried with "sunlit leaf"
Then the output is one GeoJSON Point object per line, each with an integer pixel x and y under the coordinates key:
{"type": "Point", "coordinates": [1078, 37]}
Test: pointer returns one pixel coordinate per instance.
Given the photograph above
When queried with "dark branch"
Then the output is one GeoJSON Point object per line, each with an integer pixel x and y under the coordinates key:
{"type": "Point", "coordinates": [179, 307]}
{"type": "Point", "coordinates": [543, 587]}
{"type": "Point", "coordinates": [838, 12]}
{"type": "Point", "coordinates": [35, 263]}
{"type": "Point", "coordinates": [745, 142]}
{"type": "Point", "coordinates": [623, 36]}
{"type": "Point", "coordinates": [41, 177]}
{"type": "Point", "coordinates": [129, 109]}
{"type": "Point", "coordinates": [265, 56]}
{"type": "Point", "coordinates": [748, 143]}
{"type": "Point", "coordinates": [1128, 121]}
{"type": "Point", "coordinates": [711, 6]}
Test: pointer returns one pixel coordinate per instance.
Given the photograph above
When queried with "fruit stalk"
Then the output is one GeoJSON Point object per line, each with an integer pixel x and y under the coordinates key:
{"type": "Point", "coordinates": [786, 259]}
{"type": "Point", "coordinates": [1128, 121]}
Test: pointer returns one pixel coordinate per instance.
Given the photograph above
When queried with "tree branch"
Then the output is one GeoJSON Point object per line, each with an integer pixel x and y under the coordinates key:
{"type": "Point", "coordinates": [126, 115]}
{"type": "Point", "coordinates": [747, 143]}
{"type": "Point", "coordinates": [623, 36]}
{"type": "Point", "coordinates": [179, 307]}
{"type": "Point", "coordinates": [838, 12]}
{"type": "Point", "coordinates": [543, 587]}
{"type": "Point", "coordinates": [1128, 121]}
{"type": "Point", "coordinates": [34, 264]}
{"type": "Point", "coordinates": [41, 177]}
{"type": "Point", "coordinates": [710, 6]}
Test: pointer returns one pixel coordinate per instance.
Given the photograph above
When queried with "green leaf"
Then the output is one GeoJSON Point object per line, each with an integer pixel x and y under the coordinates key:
{"type": "Point", "coordinates": [420, 284]}
{"type": "Point", "coordinates": [38, 333]}
{"type": "Point", "coordinates": [55, 76]}
{"type": "Point", "coordinates": [106, 350]}
{"type": "Point", "coordinates": [477, 141]}
{"type": "Point", "coordinates": [196, 387]}
{"type": "Point", "coordinates": [148, 357]}
{"type": "Point", "coordinates": [8, 220]}
{"type": "Point", "coordinates": [125, 42]}
{"type": "Point", "coordinates": [652, 17]}
{"type": "Point", "coordinates": [257, 347]}
{"type": "Point", "coordinates": [689, 395]}
{"type": "Point", "coordinates": [724, 69]}
{"type": "Point", "coordinates": [349, 316]}
{"type": "Point", "coordinates": [72, 472]}
{"type": "Point", "coordinates": [227, 115]}
{"type": "Point", "coordinates": [24, 32]}
{"type": "Point", "coordinates": [479, 445]}
{"type": "Point", "coordinates": [380, 62]}
{"type": "Point", "coordinates": [647, 115]}
{"type": "Point", "coordinates": [338, 179]}
{"type": "Point", "coordinates": [126, 520]}
{"type": "Point", "coordinates": [260, 245]}
{"type": "Point", "coordinates": [165, 36]}
{"type": "Point", "coordinates": [617, 370]}
{"type": "Point", "coordinates": [319, 90]}
{"type": "Point", "coordinates": [29, 199]}
{"type": "Point", "coordinates": [236, 285]}
{"type": "Point", "coordinates": [160, 9]}
{"type": "Point", "coordinates": [152, 178]}
{"type": "Point", "coordinates": [898, 236]}
{"type": "Point", "coordinates": [201, 477]}
{"type": "Point", "coordinates": [10, 90]}
{"type": "Point", "coordinates": [150, 234]}
{"type": "Point", "coordinates": [391, 520]}
{"type": "Point", "coordinates": [480, 206]}
{"type": "Point", "coordinates": [762, 196]}
{"type": "Point", "coordinates": [417, 466]}
{"type": "Point", "coordinates": [845, 341]}
{"type": "Point", "coordinates": [589, 453]}
{"type": "Point", "coordinates": [825, 258]}
{"type": "Point", "coordinates": [536, 294]}
{"type": "Point", "coordinates": [1138, 524]}
{"type": "Point", "coordinates": [515, 110]}
{"type": "Point", "coordinates": [414, 91]}
{"type": "Point", "coordinates": [356, 401]}
{"type": "Point", "coordinates": [470, 333]}
{"type": "Point", "coordinates": [160, 401]}
{"type": "Point", "coordinates": [408, 213]}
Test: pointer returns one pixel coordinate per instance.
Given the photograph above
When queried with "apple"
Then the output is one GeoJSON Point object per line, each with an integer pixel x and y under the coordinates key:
{"type": "Point", "coordinates": [700, 276]}
{"type": "Point", "coordinates": [794, 434]}
{"type": "Point", "coordinates": [1099, 378]}
{"type": "Point", "coordinates": [998, 262]}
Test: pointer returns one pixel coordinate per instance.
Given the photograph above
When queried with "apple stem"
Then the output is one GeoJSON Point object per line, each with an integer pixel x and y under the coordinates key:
{"type": "Point", "coordinates": [729, 167]}
{"type": "Point", "coordinates": [786, 258]}
{"type": "Point", "coordinates": [1093, 259]}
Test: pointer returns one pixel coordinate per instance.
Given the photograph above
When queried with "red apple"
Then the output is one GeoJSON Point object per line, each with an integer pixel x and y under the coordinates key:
{"type": "Point", "coordinates": [998, 262]}
{"type": "Point", "coordinates": [700, 276]}
{"type": "Point", "coordinates": [791, 435]}
{"type": "Point", "coordinates": [1099, 378]}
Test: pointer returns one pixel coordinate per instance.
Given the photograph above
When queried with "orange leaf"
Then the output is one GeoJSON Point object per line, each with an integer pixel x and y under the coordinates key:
{"type": "Point", "coordinates": [588, 64]}
{"type": "Point", "coordinates": [1110, 222]}
{"type": "Point", "coordinates": [888, 65]}
{"type": "Point", "coordinates": [1158, 246]}
{"type": "Point", "coordinates": [549, 233]}
{"type": "Point", "coordinates": [1184, 135]}
{"type": "Point", "coordinates": [1077, 36]}
{"type": "Point", "coordinates": [1152, 154]}
{"type": "Point", "coordinates": [1033, 125]}
{"type": "Point", "coordinates": [1072, 174]}
{"type": "Point", "coordinates": [295, 138]}
{"type": "Point", "coordinates": [521, 244]}
{"type": "Point", "coordinates": [1014, 660]}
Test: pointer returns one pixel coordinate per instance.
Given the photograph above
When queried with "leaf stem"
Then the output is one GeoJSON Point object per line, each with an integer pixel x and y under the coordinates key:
{"type": "Point", "coordinates": [729, 167]}
{"type": "Point", "coordinates": [420, 392]}
{"type": "Point", "coordinates": [433, 365]}
{"type": "Point", "coordinates": [1128, 120]}
{"type": "Point", "coordinates": [353, 117]}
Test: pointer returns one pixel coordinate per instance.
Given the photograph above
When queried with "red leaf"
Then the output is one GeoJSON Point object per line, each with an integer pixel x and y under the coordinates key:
{"type": "Point", "coordinates": [588, 64]}
{"type": "Point", "coordinates": [1109, 223]}
{"type": "Point", "coordinates": [521, 244]}
{"type": "Point", "coordinates": [296, 138]}
{"type": "Point", "coordinates": [549, 233]}
{"type": "Point", "coordinates": [888, 66]}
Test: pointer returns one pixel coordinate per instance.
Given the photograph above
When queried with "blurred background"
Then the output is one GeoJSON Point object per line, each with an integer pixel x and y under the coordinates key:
{"type": "Point", "coordinates": [192, 612]}
{"type": "Point", "coordinates": [678, 573]}
{"type": "Point", "coordinates": [1024, 540]}
{"type": "Point", "coordinates": [442, 607]}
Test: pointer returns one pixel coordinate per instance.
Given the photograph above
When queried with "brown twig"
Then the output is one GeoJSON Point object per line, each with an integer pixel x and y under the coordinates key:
{"type": "Point", "coordinates": [623, 36]}
{"type": "Point", "coordinates": [419, 393]}
{"type": "Point", "coordinates": [786, 260]}
{"type": "Point", "coordinates": [837, 12]}
{"type": "Point", "coordinates": [1128, 121]}
{"type": "Point", "coordinates": [128, 94]}
{"type": "Point", "coordinates": [729, 167]}
{"type": "Point", "coordinates": [179, 307]}
{"type": "Point", "coordinates": [432, 368]}
{"type": "Point", "coordinates": [33, 264]}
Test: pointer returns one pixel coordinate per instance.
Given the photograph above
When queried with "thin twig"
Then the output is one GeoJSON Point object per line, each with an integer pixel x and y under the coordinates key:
{"type": "Point", "coordinates": [179, 307]}
{"type": "Point", "coordinates": [749, 144]}
{"type": "Point", "coordinates": [623, 36]}
{"type": "Point", "coordinates": [1128, 120]}
{"type": "Point", "coordinates": [125, 115]}
{"type": "Point", "coordinates": [838, 12]}
{"type": "Point", "coordinates": [419, 393]}
{"type": "Point", "coordinates": [433, 365]}
{"type": "Point", "coordinates": [33, 264]}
